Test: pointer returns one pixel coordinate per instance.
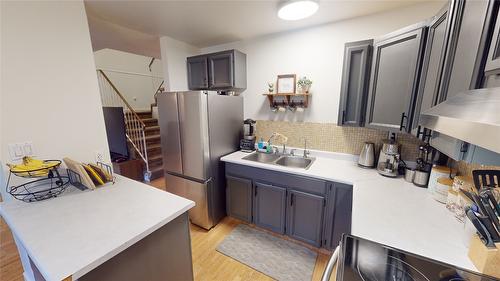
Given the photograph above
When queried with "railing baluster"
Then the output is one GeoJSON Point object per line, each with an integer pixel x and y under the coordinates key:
{"type": "Point", "coordinates": [134, 126]}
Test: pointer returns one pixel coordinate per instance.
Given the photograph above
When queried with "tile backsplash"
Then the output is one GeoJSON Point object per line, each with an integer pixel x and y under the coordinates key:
{"type": "Point", "coordinates": [465, 169]}
{"type": "Point", "coordinates": [330, 137]}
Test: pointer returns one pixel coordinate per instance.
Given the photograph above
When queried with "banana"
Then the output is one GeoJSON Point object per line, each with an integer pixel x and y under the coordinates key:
{"type": "Point", "coordinates": [33, 167]}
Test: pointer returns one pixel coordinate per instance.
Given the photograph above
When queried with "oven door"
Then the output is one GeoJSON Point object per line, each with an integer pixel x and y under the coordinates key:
{"type": "Point", "coordinates": [329, 273]}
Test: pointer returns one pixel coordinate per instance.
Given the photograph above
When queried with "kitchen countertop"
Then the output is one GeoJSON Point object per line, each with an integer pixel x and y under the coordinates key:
{"type": "Point", "coordinates": [390, 211]}
{"type": "Point", "coordinates": [74, 233]}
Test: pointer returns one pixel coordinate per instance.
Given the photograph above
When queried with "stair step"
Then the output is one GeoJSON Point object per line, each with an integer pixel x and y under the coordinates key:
{"type": "Point", "coordinates": [144, 113]}
{"type": "Point", "coordinates": [154, 147]}
{"type": "Point", "coordinates": [157, 172]}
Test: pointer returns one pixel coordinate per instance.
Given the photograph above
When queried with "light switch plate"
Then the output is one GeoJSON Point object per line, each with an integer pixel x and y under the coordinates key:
{"type": "Point", "coordinates": [28, 149]}
{"type": "Point", "coordinates": [16, 151]}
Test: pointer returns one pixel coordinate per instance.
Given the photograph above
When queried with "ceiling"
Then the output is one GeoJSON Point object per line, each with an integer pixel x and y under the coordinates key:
{"type": "Point", "coordinates": [206, 23]}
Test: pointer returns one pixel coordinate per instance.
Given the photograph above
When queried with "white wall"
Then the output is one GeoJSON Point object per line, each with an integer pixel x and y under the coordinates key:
{"type": "Point", "coordinates": [317, 53]}
{"type": "Point", "coordinates": [173, 56]}
{"type": "Point", "coordinates": [1, 93]}
{"type": "Point", "coordinates": [49, 86]}
{"type": "Point", "coordinates": [131, 76]}
{"type": "Point", "coordinates": [106, 34]}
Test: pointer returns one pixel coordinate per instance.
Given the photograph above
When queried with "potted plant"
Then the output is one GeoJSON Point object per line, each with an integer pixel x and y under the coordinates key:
{"type": "Point", "coordinates": [305, 84]}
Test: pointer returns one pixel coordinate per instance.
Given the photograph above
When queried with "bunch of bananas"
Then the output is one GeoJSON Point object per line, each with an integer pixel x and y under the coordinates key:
{"type": "Point", "coordinates": [32, 167]}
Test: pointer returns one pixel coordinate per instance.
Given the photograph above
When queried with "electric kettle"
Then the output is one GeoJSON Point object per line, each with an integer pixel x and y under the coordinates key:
{"type": "Point", "coordinates": [367, 156]}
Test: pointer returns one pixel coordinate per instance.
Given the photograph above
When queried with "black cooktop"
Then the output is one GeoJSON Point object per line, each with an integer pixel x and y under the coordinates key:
{"type": "Point", "coordinates": [364, 260]}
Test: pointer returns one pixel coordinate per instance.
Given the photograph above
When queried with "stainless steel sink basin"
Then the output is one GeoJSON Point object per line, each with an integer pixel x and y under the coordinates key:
{"type": "Point", "coordinates": [262, 157]}
{"type": "Point", "coordinates": [295, 162]}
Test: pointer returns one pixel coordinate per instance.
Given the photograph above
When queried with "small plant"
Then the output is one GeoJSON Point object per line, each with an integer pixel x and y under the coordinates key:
{"type": "Point", "coordinates": [305, 84]}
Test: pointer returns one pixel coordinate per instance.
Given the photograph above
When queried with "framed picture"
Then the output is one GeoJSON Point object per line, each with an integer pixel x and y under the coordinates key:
{"type": "Point", "coordinates": [286, 84]}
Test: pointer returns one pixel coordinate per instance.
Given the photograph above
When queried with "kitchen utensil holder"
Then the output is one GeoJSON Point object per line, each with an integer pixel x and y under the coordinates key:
{"type": "Point", "coordinates": [486, 260]}
{"type": "Point", "coordinates": [76, 180]}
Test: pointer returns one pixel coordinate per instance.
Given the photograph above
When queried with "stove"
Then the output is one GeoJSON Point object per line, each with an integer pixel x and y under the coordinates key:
{"type": "Point", "coordinates": [364, 260]}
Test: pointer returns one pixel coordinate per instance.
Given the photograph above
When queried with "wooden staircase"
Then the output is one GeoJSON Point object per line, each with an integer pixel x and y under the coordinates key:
{"type": "Point", "coordinates": [153, 143]}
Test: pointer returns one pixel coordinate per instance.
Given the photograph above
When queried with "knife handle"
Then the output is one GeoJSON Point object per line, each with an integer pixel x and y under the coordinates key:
{"type": "Point", "coordinates": [486, 221]}
{"type": "Point", "coordinates": [481, 229]}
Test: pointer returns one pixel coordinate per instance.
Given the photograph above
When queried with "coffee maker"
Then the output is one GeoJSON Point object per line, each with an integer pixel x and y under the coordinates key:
{"type": "Point", "coordinates": [388, 160]}
{"type": "Point", "coordinates": [247, 144]}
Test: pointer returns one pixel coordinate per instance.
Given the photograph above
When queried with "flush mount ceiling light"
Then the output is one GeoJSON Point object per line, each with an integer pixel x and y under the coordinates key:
{"type": "Point", "coordinates": [297, 9]}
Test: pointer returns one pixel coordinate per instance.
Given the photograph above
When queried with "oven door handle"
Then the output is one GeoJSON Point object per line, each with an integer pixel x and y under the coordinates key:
{"type": "Point", "coordinates": [331, 264]}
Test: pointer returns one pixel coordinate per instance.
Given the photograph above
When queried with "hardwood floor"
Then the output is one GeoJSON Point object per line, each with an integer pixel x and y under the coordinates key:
{"type": "Point", "coordinates": [208, 264]}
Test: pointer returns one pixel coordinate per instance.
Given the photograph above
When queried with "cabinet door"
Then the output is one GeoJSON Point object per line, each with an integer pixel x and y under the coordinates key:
{"type": "Point", "coordinates": [355, 77]}
{"type": "Point", "coordinates": [197, 73]}
{"type": "Point", "coordinates": [239, 198]}
{"type": "Point", "coordinates": [269, 207]}
{"type": "Point", "coordinates": [338, 214]}
{"type": "Point", "coordinates": [305, 217]}
{"type": "Point", "coordinates": [432, 65]}
{"type": "Point", "coordinates": [221, 70]}
{"type": "Point", "coordinates": [394, 79]}
{"type": "Point", "coordinates": [467, 44]}
{"type": "Point", "coordinates": [492, 68]}
{"type": "Point", "coordinates": [462, 65]}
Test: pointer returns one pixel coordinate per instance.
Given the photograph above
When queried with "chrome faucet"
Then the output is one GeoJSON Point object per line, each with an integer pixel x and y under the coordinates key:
{"type": "Point", "coordinates": [306, 152]}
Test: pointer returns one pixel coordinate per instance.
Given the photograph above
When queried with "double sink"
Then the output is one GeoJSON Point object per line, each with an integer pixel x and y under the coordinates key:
{"type": "Point", "coordinates": [281, 159]}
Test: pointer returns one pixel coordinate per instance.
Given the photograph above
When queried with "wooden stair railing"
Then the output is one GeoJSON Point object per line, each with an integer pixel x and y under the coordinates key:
{"type": "Point", "coordinates": [135, 127]}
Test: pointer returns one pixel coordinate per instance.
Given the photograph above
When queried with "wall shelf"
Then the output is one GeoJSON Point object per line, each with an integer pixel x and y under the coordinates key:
{"type": "Point", "coordinates": [288, 99]}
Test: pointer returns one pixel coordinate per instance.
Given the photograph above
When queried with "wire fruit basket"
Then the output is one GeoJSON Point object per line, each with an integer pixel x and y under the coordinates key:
{"type": "Point", "coordinates": [48, 182]}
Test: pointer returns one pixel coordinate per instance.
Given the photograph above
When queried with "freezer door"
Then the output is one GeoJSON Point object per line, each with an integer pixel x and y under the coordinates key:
{"type": "Point", "coordinates": [193, 120]}
{"type": "Point", "coordinates": [168, 112]}
{"type": "Point", "coordinates": [195, 191]}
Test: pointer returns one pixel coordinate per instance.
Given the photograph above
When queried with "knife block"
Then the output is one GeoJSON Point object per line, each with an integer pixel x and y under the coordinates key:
{"type": "Point", "coordinates": [486, 260]}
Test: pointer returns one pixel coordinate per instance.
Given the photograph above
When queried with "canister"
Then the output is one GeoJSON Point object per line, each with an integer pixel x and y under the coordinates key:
{"type": "Point", "coordinates": [438, 172]}
{"type": "Point", "coordinates": [443, 185]}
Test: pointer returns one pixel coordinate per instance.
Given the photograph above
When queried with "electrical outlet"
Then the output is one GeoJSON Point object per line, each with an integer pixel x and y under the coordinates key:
{"type": "Point", "coordinates": [99, 156]}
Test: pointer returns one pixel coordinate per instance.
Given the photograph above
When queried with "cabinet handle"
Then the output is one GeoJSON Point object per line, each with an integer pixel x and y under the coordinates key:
{"type": "Point", "coordinates": [403, 116]}
{"type": "Point", "coordinates": [291, 199]}
{"type": "Point", "coordinates": [419, 132]}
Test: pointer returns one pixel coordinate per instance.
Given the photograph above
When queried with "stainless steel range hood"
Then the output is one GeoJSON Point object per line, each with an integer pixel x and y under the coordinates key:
{"type": "Point", "coordinates": [472, 116]}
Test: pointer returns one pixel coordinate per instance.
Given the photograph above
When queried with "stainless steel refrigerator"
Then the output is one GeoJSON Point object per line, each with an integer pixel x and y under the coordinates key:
{"type": "Point", "coordinates": [198, 128]}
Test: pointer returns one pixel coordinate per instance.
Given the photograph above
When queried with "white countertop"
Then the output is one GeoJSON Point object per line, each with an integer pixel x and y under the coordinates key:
{"type": "Point", "coordinates": [386, 210]}
{"type": "Point", "coordinates": [72, 234]}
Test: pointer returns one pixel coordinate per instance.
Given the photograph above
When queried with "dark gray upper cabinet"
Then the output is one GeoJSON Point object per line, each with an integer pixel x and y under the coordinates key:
{"type": "Point", "coordinates": [197, 73]}
{"type": "Point", "coordinates": [463, 64]}
{"type": "Point", "coordinates": [305, 217]}
{"type": "Point", "coordinates": [466, 48]}
{"type": "Point", "coordinates": [221, 70]}
{"type": "Point", "coordinates": [355, 78]}
{"type": "Point", "coordinates": [239, 198]}
{"type": "Point", "coordinates": [217, 71]}
{"type": "Point", "coordinates": [432, 65]}
{"type": "Point", "coordinates": [492, 68]}
{"type": "Point", "coordinates": [269, 207]}
{"type": "Point", "coordinates": [394, 78]}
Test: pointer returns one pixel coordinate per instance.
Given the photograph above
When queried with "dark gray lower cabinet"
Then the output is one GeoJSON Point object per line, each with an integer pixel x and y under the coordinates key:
{"type": "Point", "coordinates": [339, 214]}
{"type": "Point", "coordinates": [239, 198]}
{"type": "Point", "coordinates": [269, 207]}
{"type": "Point", "coordinates": [311, 210]}
{"type": "Point", "coordinates": [305, 216]}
